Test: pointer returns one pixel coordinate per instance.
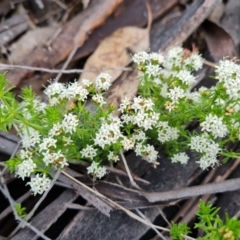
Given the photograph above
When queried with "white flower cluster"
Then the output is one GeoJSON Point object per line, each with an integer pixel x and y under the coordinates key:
{"type": "Point", "coordinates": [214, 125]}
{"type": "Point", "coordinates": [147, 152]}
{"type": "Point", "coordinates": [39, 184]}
{"type": "Point", "coordinates": [229, 74]}
{"type": "Point", "coordinates": [103, 81]}
{"type": "Point", "coordinates": [109, 133]}
{"type": "Point", "coordinates": [181, 157]}
{"type": "Point", "coordinates": [96, 170]}
{"type": "Point", "coordinates": [26, 168]}
{"type": "Point", "coordinates": [113, 157]}
{"type": "Point", "coordinates": [166, 133]}
{"type": "Point", "coordinates": [208, 149]}
{"type": "Point", "coordinates": [89, 152]}
{"type": "Point", "coordinates": [143, 114]}
{"type": "Point", "coordinates": [30, 137]}
{"type": "Point", "coordinates": [177, 57]}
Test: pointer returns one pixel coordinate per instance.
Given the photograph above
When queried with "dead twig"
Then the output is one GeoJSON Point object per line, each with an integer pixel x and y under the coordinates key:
{"type": "Point", "coordinates": [70, 71]}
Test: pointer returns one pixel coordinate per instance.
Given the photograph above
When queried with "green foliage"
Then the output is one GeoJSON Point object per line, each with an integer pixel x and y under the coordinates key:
{"type": "Point", "coordinates": [213, 226]}
{"type": "Point", "coordinates": [179, 230]}
{"type": "Point", "coordinates": [209, 221]}
{"type": "Point", "coordinates": [21, 211]}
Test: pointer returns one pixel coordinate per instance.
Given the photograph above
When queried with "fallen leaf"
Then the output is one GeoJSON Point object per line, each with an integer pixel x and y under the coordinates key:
{"type": "Point", "coordinates": [32, 39]}
{"type": "Point", "coordinates": [85, 22]}
{"type": "Point", "coordinates": [113, 51]}
{"type": "Point", "coordinates": [219, 42]}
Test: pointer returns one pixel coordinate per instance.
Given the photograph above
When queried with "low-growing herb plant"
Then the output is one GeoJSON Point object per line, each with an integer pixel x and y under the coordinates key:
{"type": "Point", "coordinates": [65, 130]}
{"type": "Point", "coordinates": [212, 225]}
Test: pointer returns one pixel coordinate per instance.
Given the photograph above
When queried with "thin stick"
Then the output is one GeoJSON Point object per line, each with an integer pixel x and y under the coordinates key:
{"type": "Point", "coordinates": [43, 196]}
{"type": "Point", "coordinates": [144, 217]}
{"type": "Point", "coordinates": [208, 63]}
{"type": "Point", "coordinates": [70, 56]}
{"type": "Point", "coordinates": [128, 171]}
{"type": "Point", "coordinates": [70, 71]}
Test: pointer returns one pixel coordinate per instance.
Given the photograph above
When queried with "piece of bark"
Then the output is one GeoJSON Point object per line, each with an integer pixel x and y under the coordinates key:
{"type": "Point", "coordinates": [90, 197]}
{"type": "Point", "coordinates": [181, 28]}
{"type": "Point", "coordinates": [78, 28]}
{"type": "Point", "coordinates": [43, 220]}
{"type": "Point", "coordinates": [225, 186]}
{"type": "Point", "coordinates": [8, 143]}
{"type": "Point", "coordinates": [219, 42]}
{"type": "Point", "coordinates": [12, 28]}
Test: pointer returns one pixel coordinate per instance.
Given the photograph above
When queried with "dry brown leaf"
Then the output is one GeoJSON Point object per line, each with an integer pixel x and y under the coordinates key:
{"type": "Point", "coordinates": [220, 43]}
{"type": "Point", "coordinates": [113, 51]}
{"type": "Point", "coordinates": [76, 31]}
{"type": "Point", "coordinates": [29, 41]}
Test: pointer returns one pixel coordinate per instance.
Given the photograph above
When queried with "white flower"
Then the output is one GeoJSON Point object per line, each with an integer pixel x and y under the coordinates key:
{"type": "Point", "coordinates": [181, 157]}
{"type": "Point", "coordinates": [174, 58]}
{"type": "Point", "coordinates": [39, 184]}
{"type": "Point", "coordinates": [89, 152]}
{"type": "Point", "coordinates": [25, 154]}
{"type": "Point", "coordinates": [70, 123]}
{"type": "Point", "coordinates": [26, 168]}
{"type": "Point", "coordinates": [107, 134]}
{"type": "Point", "coordinates": [55, 158]}
{"type": "Point", "coordinates": [186, 77]}
{"type": "Point", "coordinates": [68, 141]}
{"type": "Point", "coordinates": [75, 90]}
{"type": "Point", "coordinates": [175, 94]}
{"type": "Point", "coordinates": [214, 125]}
{"type": "Point", "coordinates": [99, 99]}
{"type": "Point", "coordinates": [54, 101]}
{"type": "Point", "coordinates": [166, 133]}
{"type": "Point", "coordinates": [147, 152]}
{"type": "Point", "coordinates": [30, 137]}
{"type": "Point", "coordinates": [124, 104]}
{"type": "Point", "coordinates": [127, 143]}
{"type": "Point", "coordinates": [39, 105]}
{"type": "Point", "coordinates": [194, 61]}
{"type": "Point", "coordinates": [56, 130]}
{"type": "Point", "coordinates": [142, 104]}
{"type": "Point", "coordinates": [55, 88]}
{"type": "Point", "coordinates": [140, 57]}
{"type": "Point", "coordinates": [156, 58]}
{"type": "Point", "coordinates": [127, 119]}
{"type": "Point", "coordinates": [96, 170]}
{"type": "Point", "coordinates": [86, 83]}
{"type": "Point", "coordinates": [227, 70]}
{"type": "Point", "coordinates": [47, 143]}
{"type": "Point", "coordinates": [207, 160]}
{"type": "Point", "coordinates": [113, 157]}
{"type": "Point", "coordinates": [194, 96]}
{"type": "Point", "coordinates": [103, 81]}
{"type": "Point", "coordinates": [139, 136]}
{"type": "Point", "coordinates": [152, 70]}
{"type": "Point", "coordinates": [146, 120]}
{"type": "Point", "coordinates": [203, 144]}
{"type": "Point", "coordinates": [232, 87]}
{"type": "Point", "coordinates": [170, 106]}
